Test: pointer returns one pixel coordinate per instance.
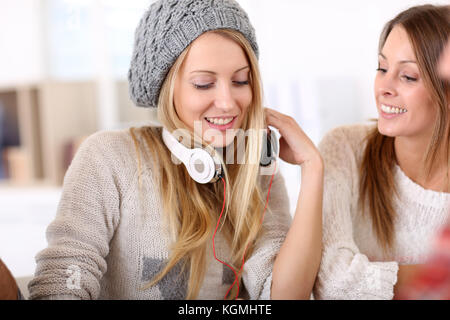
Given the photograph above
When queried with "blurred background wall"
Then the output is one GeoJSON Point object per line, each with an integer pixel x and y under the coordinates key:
{"type": "Point", "coordinates": [63, 66]}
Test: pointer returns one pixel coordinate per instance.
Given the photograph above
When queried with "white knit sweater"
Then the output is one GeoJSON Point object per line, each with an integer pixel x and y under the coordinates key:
{"type": "Point", "coordinates": [106, 243]}
{"type": "Point", "coordinates": [352, 266]}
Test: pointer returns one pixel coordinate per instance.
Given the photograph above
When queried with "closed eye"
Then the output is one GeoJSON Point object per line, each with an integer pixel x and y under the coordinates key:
{"type": "Point", "coordinates": [241, 83]}
{"type": "Point", "coordinates": [210, 85]}
{"type": "Point", "coordinates": [410, 79]}
{"type": "Point", "coordinates": [203, 86]}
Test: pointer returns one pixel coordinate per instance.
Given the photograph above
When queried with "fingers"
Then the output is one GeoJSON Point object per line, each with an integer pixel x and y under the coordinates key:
{"type": "Point", "coordinates": [271, 118]}
{"type": "Point", "coordinates": [284, 123]}
{"type": "Point", "coordinates": [274, 114]}
{"type": "Point", "coordinates": [295, 146]}
{"type": "Point", "coordinates": [277, 119]}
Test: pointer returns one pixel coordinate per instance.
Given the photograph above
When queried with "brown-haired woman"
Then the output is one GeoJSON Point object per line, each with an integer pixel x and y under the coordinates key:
{"type": "Point", "coordinates": [387, 185]}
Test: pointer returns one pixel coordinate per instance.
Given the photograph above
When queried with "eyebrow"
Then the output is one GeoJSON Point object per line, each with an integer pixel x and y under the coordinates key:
{"type": "Point", "coordinates": [212, 72]}
{"type": "Point", "coordinates": [400, 62]}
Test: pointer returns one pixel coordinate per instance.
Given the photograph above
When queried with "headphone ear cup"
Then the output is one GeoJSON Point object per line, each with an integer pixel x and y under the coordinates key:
{"type": "Point", "coordinates": [269, 150]}
{"type": "Point", "coordinates": [201, 166]}
{"type": "Point", "coordinates": [275, 143]}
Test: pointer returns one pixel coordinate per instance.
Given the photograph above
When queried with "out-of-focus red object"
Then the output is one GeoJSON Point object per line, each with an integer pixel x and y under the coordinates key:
{"type": "Point", "coordinates": [432, 281]}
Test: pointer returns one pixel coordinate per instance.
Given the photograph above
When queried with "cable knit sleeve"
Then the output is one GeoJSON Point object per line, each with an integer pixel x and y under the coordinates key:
{"type": "Point", "coordinates": [73, 264]}
{"type": "Point", "coordinates": [346, 273]}
{"type": "Point", "coordinates": [257, 273]}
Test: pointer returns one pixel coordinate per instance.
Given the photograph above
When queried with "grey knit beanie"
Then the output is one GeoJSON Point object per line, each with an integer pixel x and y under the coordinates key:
{"type": "Point", "coordinates": [166, 29]}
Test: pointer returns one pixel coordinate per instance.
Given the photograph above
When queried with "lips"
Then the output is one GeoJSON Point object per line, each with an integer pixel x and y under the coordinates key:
{"type": "Point", "coordinates": [220, 120]}
{"type": "Point", "coordinates": [392, 109]}
{"type": "Point", "coordinates": [220, 123]}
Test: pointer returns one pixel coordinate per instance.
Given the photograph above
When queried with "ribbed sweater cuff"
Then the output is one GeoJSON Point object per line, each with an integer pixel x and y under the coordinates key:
{"type": "Point", "coordinates": [380, 280]}
{"type": "Point", "coordinates": [390, 279]}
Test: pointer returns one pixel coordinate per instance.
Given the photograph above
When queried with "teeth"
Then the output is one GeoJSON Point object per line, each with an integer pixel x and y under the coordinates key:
{"type": "Point", "coordinates": [220, 121]}
{"type": "Point", "coordinates": [392, 110]}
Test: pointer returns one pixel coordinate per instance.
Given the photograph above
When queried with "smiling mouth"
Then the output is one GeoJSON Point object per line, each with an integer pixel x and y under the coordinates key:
{"type": "Point", "coordinates": [392, 109]}
{"type": "Point", "coordinates": [220, 121]}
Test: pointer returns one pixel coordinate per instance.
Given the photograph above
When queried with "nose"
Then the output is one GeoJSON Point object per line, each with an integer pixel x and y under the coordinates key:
{"type": "Point", "coordinates": [385, 85]}
{"type": "Point", "coordinates": [224, 99]}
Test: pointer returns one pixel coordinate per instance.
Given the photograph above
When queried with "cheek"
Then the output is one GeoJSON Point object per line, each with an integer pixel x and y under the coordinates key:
{"type": "Point", "coordinates": [190, 105]}
{"type": "Point", "coordinates": [423, 112]}
{"type": "Point", "coordinates": [420, 103]}
{"type": "Point", "coordinates": [417, 95]}
{"type": "Point", "coordinates": [427, 115]}
{"type": "Point", "coordinates": [244, 100]}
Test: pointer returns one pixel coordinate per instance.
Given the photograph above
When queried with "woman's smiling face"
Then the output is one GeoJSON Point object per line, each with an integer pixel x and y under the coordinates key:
{"type": "Point", "coordinates": [404, 104]}
{"type": "Point", "coordinates": [212, 87]}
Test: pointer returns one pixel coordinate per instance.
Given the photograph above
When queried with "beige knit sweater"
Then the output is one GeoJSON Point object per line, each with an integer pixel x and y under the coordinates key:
{"type": "Point", "coordinates": [106, 243]}
{"type": "Point", "coordinates": [352, 266]}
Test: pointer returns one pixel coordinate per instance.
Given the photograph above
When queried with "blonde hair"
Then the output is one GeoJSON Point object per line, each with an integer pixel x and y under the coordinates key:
{"type": "Point", "coordinates": [428, 28]}
{"type": "Point", "coordinates": [192, 216]}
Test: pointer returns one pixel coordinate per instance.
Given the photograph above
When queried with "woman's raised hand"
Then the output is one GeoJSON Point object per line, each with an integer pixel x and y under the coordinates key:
{"type": "Point", "coordinates": [295, 146]}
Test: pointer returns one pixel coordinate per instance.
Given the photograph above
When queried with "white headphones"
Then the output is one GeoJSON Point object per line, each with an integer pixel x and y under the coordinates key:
{"type": "Point", "coordinates": [204, 167]}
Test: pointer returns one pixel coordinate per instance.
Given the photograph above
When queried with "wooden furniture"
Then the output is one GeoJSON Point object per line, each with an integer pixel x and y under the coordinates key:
{"type": "Point", "coordinates": [48, 116]}
{"type": "Point", "coordinates": [52, 119]}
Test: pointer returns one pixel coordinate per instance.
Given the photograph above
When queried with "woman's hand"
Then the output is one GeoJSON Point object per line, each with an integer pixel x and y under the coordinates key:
{"type": "Point", "coordinates": [295, 146]}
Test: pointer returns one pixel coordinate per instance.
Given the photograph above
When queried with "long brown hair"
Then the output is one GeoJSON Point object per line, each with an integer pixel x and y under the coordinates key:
{"type": "Point", "coordinates": [428, 28]}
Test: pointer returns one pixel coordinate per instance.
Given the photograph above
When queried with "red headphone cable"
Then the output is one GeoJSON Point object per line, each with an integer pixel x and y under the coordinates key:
{"type": "Point", "coordinates": [217, 226]}
{"type": "Point", "coordinates": [214, 235]}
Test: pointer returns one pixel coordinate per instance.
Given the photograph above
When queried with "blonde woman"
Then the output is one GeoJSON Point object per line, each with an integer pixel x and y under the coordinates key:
{"type": "Point", "coordinates": [386, 188]}
{"type": "Point", "coordinates": [133, 224]}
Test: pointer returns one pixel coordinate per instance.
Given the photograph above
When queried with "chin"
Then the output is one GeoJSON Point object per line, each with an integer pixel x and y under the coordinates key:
{"type": "Point", "coordinates": [218, 144]}
{"type": "Point", "coordinates": [388, 130]}
{"type": "Point", "coordinates": [220, 140]}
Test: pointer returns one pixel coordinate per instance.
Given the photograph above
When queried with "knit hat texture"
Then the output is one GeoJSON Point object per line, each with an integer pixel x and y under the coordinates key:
{"type": "Point", "coordinates": [166, 30]}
